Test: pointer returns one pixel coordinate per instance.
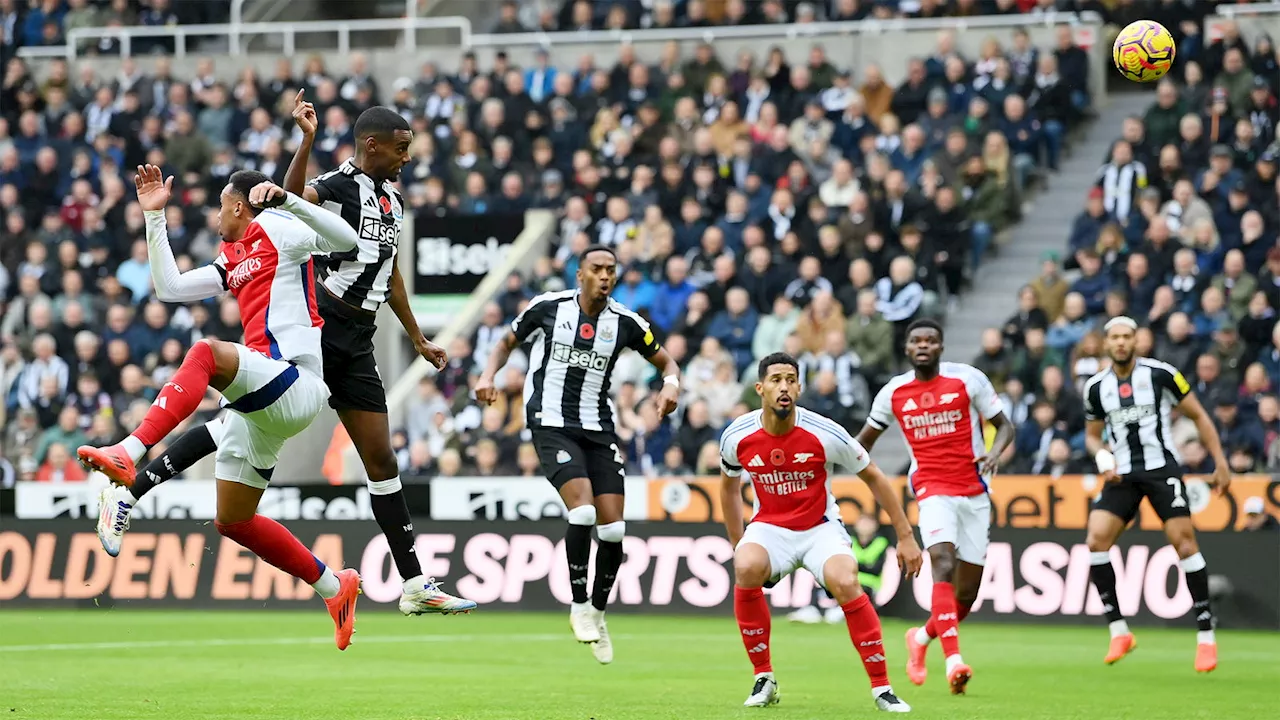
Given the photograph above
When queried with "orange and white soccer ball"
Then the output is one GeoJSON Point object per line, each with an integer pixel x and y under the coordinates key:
{"type": "Point", "coordinates": [1144, 51]}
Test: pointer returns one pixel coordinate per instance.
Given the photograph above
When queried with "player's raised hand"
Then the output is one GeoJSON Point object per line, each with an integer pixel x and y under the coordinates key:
{"type": "Point", "coordinates": [304, 113]}
{"type": "Point", "coordinates": [910, 559]}
{"type": "Point", "coordinates": [267, 195]}
{"type": "Point", "coordinates": [154, 189]}
{"type": "Point", "coordinates": [1221, 478]}
{"type": "Point", "coordinates": [431, 352]}
{"type": "Point", "coordinates": [485, 391]}
{"type": "Point", "coordinates": [1109, 477]}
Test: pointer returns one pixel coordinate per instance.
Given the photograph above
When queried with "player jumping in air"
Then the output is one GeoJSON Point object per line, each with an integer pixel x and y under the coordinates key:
{"type": "Point", "coordinates": [789, 454]}
{"type": "Point", "coordinates": [940, 407]}
{"type": "Point", "coordinates": [353, 284]}
{"type": "Point", "coordinates": [272, 384]}
{"type": "Point", "coordinates": [1133, 401]}
{"type": "Point", "coordinates": [576, 337]}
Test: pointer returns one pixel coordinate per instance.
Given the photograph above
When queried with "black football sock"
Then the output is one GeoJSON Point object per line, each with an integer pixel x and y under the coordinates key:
{"type": "Point", "coordinates": [1104, 578]}
{"type": "Point", "coordinates": [187, 450]}
{"type": "Point", "coordinates": [577, 550]}
{"type": "Point", "coordinates": [608, 560]}
{"type": "Point", "coordinates": [391, 511]}
{"type": "Point", "coordinates": [1198, 586]}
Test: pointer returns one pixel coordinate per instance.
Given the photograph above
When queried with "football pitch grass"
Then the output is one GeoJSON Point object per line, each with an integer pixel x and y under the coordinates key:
{"type": "Point", "coordinates": [125, 664]}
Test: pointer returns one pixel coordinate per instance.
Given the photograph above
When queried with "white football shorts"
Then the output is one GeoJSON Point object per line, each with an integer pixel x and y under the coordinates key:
{"type": "Point", "coordinates": [791, 549]}
{"type": "Point", "coordinates": [962, 521]}
{"type": "Point", "coordinates": [270, 401]}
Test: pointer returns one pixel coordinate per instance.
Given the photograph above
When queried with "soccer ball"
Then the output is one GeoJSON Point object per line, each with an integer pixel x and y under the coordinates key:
{"type": "Point", "coordinates": [1144, 51]}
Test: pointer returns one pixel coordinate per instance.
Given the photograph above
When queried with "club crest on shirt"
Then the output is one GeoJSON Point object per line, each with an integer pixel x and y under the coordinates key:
{"type": "Point", "coordinates": [607, 333]}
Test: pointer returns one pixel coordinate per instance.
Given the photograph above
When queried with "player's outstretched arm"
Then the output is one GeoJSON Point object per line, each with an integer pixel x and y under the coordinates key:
{"type": "Point", "coordinates": [731, 506]}
{"type": "Point", "coordinates": [171, 284]}
{"type": "Point", "coordinates": [1190, 407]}
{"type": "Point", "coordinates": [909, 556]}
{"type": "Point", "coordinates": [989, 463]}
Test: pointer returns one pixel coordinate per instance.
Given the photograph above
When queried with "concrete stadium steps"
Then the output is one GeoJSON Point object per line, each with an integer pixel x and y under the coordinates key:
{"type": "Point", "coordinates": [993, 297]}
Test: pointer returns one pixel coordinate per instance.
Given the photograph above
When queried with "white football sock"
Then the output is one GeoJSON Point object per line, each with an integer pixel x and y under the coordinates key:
{"type": "Point", "coordinates": [134, 447]}
{"type": "Point", "coordinates": [1118, 628]}
{"type": "Point", "coordinates": [328, 585]}
{"type": "Point", "coordinates": [952, 661]}
{"type": "Point", "coordinates": [1205, 637]}
{"type": "Point", "coordinates": [922, 636]}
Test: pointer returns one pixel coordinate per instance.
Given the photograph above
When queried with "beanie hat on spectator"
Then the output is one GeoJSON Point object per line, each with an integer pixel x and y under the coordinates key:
{"type": "Point", "coordinates": [1254, 506]}
{"type": "Point", "coordinates": [1095, 193]}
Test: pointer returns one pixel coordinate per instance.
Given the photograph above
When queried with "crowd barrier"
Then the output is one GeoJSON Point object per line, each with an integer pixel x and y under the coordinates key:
{"type": "Point", "coordinates": [670, 567]}
{"type": "Point", "coordinates": [1018, 501]}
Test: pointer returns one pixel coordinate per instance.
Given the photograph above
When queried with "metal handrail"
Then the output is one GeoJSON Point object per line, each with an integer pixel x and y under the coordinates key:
{"type": "Point", "coordinates": [1234, 11]}
{"type": "Point", "coordinates": [789, 31]}
{"type": "Point", "coordinates": [408, 26]}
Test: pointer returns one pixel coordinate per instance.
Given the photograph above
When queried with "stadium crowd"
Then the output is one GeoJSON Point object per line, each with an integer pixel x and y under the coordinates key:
{"type": "Point", "coordinates": [755, 203]}
{"type": "Point", "coordinates": [1180, 234]}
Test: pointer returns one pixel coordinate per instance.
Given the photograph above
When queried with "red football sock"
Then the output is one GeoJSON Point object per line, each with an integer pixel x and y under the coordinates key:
{"type": "Point", "coordinates": [752, 611]}
{"type": "Point", "coordinates": [179, 397]}
{"type": "Point", "coordinates": [864, 629]}
{"type": "Point", "coordinates": [944, 617]}
{"type": "Point", "coordinates": [932, 629]}
{"type": "Point", "coordinates": [273, 542]}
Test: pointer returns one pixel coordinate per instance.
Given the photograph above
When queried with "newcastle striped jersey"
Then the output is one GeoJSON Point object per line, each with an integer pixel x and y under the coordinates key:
{"type": "Point", "coordinates": [572, 358]}
{"type": "Point", "coordinates": [1136, 410]}
{"type": "Point", "coordinates": [361, 278]}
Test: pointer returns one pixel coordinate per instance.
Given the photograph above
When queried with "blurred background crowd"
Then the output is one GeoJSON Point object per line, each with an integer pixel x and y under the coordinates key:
{"type": "Point", "coordinates": [1179, 232]}
{"type": "Point", "coordinates": [756, 202]}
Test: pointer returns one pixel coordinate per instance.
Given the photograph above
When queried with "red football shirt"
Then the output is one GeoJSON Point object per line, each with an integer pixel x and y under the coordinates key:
{"type": "Point", "coordinates": [942, 422]}
{"type": "Point", "coordinates": [791, 473]}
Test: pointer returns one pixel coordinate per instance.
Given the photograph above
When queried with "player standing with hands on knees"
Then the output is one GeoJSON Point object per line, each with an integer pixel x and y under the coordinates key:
{"type": "Point", "coordinates": [353, 284]}
{"type": "Point", "coordinates": [1133, 400]}
{"type": "Point", "coordinates": [789, 454]}
{"type": "Point", "coordinates": [940, 407]}
{"type": "Point", "coordinates": [271, 385]}
{"type": "Point", "coordinates": [576, 337]}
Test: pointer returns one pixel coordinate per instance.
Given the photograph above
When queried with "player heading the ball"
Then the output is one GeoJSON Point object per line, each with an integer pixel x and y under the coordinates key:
{"type": "Point", "coordinates": [789, 453]}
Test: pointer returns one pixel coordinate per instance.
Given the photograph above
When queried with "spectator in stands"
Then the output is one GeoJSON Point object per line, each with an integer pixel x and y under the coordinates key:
{"type": "Point", "coordinates": [1258, 518]}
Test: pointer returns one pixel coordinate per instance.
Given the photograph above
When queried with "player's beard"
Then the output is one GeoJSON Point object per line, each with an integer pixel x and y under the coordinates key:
{"type": "Point", "coordinates": [782, 413]}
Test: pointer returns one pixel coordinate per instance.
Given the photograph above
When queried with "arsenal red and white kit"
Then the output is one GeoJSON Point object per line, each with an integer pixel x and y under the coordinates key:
{"type": "Point", "coordinates": [796, 519]}
{"type": "Point", "coordinates": [269, 272]}
{"type": "Point", "coordinates": [941, 420]}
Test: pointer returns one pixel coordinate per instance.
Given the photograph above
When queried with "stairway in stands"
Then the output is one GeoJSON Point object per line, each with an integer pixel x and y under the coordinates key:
{"type": "Point", "coordinates": [994, 295]}
{"type": "Point", "coordinates": [995, 289]}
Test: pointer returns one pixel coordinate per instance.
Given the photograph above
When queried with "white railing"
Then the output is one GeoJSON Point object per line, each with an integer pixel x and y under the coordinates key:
{"type": "Point", "coordinates": [1237, 11]}
{"type": "Point", "coordinates": [234, 32]}
{"type": "Point", "coordinates": [792, 31]}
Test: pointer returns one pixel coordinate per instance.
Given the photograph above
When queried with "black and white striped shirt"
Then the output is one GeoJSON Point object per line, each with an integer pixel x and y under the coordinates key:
{"type": "Point", "coordinates": [1120, 186]}
{"type": "Point", "coordinates": [361, 278]}
{"type": "Point", "coordinates": [572, 357]}
{"type": "Point", "coordinates": [1136, 410]}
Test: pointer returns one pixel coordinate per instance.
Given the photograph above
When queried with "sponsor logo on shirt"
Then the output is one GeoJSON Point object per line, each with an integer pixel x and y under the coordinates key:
{"type": "Point", "coordinates": [243, 273]}
{"type": "Point", "coordinates": [1130, 415]}
{"type": "Point", "coordinates": [574, 357]}
{"type": "Point", "coordinates": [376, 230]}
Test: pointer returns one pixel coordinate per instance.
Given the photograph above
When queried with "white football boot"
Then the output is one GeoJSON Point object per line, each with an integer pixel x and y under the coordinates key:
{"type": "Point", "coordinates": [423, 596]}
{"type": "Point", "coordinates": [889, 702]}
{"type": "Point", "coordinates": [114, 505]}
{"type": "Point", "coordinates": [582, 620]}
{"type": "Point", "coordinates": [764, 693]}
{"type": "Point", "coordinates": [602, 648]}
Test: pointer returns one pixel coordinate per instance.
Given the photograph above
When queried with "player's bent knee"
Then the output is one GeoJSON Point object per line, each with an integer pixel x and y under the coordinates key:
{"type": "Point", "coordinates": [751, 566]}
{"type": "Point", "coordinates": [612, 532]}
{"type": "Point", "coordinates": [845, 590]}
{"type": "Point", "coordinates": [1096, 542]}
{"type": "Point", "coordinates": [582, 515]}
